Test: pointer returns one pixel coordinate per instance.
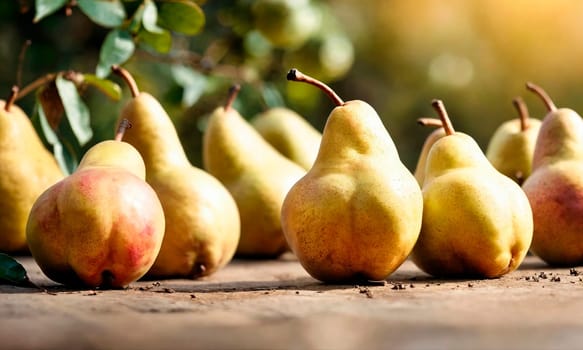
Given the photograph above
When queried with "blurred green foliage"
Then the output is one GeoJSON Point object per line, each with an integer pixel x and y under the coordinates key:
{"type": "Point", "coordinates": [397, 55]}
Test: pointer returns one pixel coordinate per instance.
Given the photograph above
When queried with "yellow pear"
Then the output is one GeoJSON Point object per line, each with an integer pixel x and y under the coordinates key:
{"type": "Point", "coordinates": [290, 134]}
{"type": "Point", "coordinates": [511, 148]}
{"type": "Point", "coordinates": [555, 187]}
{"type": "Point", "coordinates": [356, 214]}
{"type": "Point", "coordinates": [429, 141]}
{"type": "Point", "coordinates": [255, 173]}
{"type": "Point", "coordinates": [203, 225]}
{"type": "Point", "coordinates": [28, 169]}
{"type": "Point", "coordinates": [101, 226]}
{"type": "Point", "coordinates": [477, 222]}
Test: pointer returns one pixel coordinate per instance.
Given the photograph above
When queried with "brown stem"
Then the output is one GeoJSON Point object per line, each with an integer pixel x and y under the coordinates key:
{"type": "Point", "coordinates": [233, 92]}
{"type": "Point", "coordinates": [25, 46]}
{"type": "Point", "coordinates": [430, 122]}
{"type": "Point", "coordinates": [36, 84]}
{"type": "Point", "coordinates": [543, 95]}
{"type": "Point", "coordinates": [127, 77]}
{"type": "Point", "coordinates": [124, 124]}
{"type": "Point", "coordinates": [296, 75]}
{"type": "Point", "coordinates": [520, 106]}
{"type": "Point", "coordinates": [11, 98]}
{"type": "Point", "coordinates": [440, 108]}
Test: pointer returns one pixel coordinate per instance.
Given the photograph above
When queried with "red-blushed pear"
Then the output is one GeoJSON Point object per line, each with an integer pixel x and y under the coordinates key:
{"type": "Point", "coordinates": [476, 221]}
{"type": "Point", "coordinates": [290, 134]}
{"type": "Point", "coordinates": [102, 226]}
{"type": "Point", "coordinates": [356, 214]}
{"type": "Point", "coordinates": [555, 187]}
{"type": "Point", "coordinates": [255, 173]}
{"type": "Point", "coordinates": [202, 220]}
{"type": "Point", "coordinates": [511, 148]}
{"type": "Point", "coordinates": [28, 169]}
{"type": "Point", "coordinates": [429, 141]}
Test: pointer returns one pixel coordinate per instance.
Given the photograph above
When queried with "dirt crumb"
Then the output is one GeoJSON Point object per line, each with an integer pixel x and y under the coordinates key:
{"type": "Point", "coordinates": [398, 286]}
{"type": "Point", "coordinates": [366, 291]}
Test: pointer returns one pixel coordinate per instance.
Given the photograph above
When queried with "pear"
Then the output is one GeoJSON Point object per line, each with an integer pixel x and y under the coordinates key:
{"type": "Point", "coordinates": [356, 214]}
{"type": "Point", "coordinates": [511, 147]}
{"type": "Point", "coordinates": [477, 222]}
{"type": "Point", "coordinates": [28, 169]}
{"type": "Point", "coordinates": [102, 226]}
{"type": "Point", "coordinates": [290, 134]}
{"type": "Point", "coordinates": [255, 173]}
{"type": "Point", "coordinates": [555, 187]}
{"type": "Point", "coordinates": [203, 225]}
{"type": "Point", "coordinates": [429, 141]}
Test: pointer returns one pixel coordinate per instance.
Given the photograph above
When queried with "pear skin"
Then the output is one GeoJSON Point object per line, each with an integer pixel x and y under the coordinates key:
{"type": "Point", "coordinates": [257, 176]}
{"type": "Point", "coordinates": [356, 214]}
{"type": "Point", "coordinates": [477, 222]}
{"type": "Point", "coordinates": [203, 226]}
{"type": "Point", "coordinates": [102, 226]}
{"type": "Point", "coordinates": [290, 134]}
{"type": "Point", "coordinates": [511, 147]}
{"type": "Point", "coordinates": [555, 187]}
{"type": "Point", "coordinates": [429, 141]}
{"type": "Point", "coordinates": [28, 169]}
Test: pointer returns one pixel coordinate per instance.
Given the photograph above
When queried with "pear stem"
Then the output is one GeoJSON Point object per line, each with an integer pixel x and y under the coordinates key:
{"type": "Point", "coordinates": [233, 92]}
{"type": "Point", "coordinates": [127, 77]}
{"type": "Point", "coordinates": [124, 124]}
{"type": "Point", "coordinates": [543, 95]}
{"type": "Point", "coordinates": [520, 106]}
{"type": "Point", "coordinates": [440, 108]}
{"type": "Point", "coordinates": [296, 75]}
{"type": "Point", "coordinates": [430, 122]}
{"type": "Point", "coordinates": [11, 98]}
{"type": "Point", "coordinates": [23, 50]}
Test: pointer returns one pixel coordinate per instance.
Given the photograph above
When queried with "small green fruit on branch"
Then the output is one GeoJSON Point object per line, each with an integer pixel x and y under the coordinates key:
{"type": "Point", "coordinates": [11, 98]}
{"type": "Point", "coordinates": [121, 129]}
{"type": "Point", "coordinates": [543, 95]}
{"type": "Point", "coordinates": [430, 122]}
{"type": "Point", "coordinates": [296, 75]}
{"type": "Point", "coordinates": [440, 109]}
{"type": "Point", "coordinates": [233, 92]}
{"type": "Point", "coordinates": [520, 106]}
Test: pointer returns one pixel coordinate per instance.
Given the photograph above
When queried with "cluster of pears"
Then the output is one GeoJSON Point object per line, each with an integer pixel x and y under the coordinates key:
{"type": "Point", "coordinates": [341, 200]}
{"type": "Point", "coordinates": [358, 213]}
{"type": "Point", "coordinates": [134, 208]}
{"type": "Point", "coordinates": [101, 226]}
{"type": "Point", "coordinates": [476, 221]}
{"type": "Point", "coordinates": [544, 158]}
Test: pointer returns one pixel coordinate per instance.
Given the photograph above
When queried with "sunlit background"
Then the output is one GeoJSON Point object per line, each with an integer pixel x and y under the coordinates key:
{"type": "Point", "coordinates": [397, 55]}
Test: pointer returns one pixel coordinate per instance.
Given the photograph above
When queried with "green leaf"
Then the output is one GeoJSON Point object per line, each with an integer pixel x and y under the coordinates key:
{"type": "Point", "coordinates": [117, 48]}
{"type": "Point", "coordinates": [108, 87]}
{"type": "Point", "coordinates": [192, 83]}
{"type": "Point", "coordinates": [65, 160]}
{"type": "Point", "coordinates": [136, 20]}
{"type": "Point", "coordinates": [76, 110]}
{"type": "Point", "coordinates": [181, 16]}
{"type": "Point", "coordinates": [160, 42]}
{"type": "Point", "coordinates": [107, 13]}
{"type": "Point", "coordinates": [44, 8]}
{"type": "Point", "coordinates": [12, 271]}
{"type": "Point", "coordinates": [150, 17]}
